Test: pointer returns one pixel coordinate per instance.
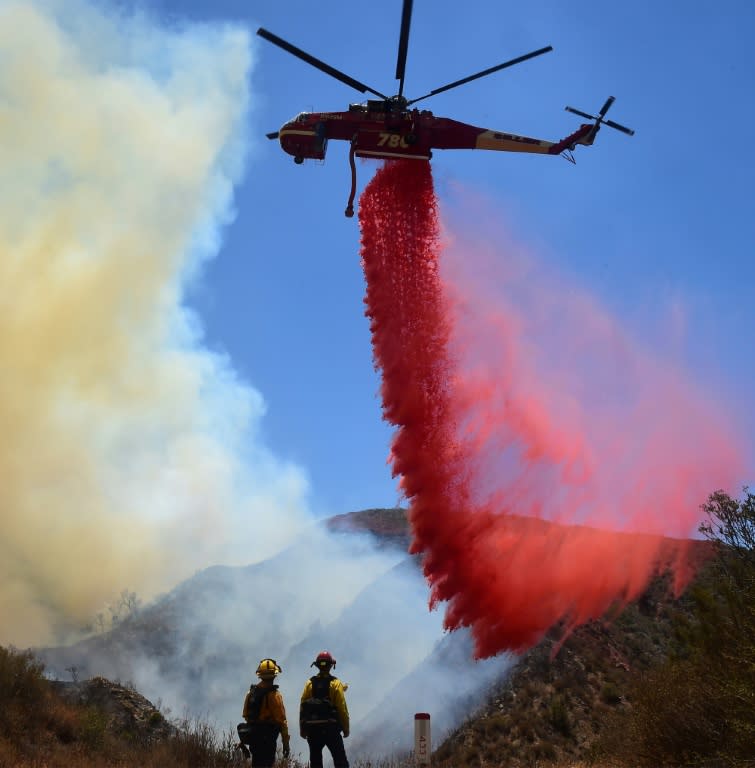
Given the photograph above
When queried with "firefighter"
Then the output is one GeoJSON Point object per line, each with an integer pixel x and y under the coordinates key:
{"type": "Point", "coordinates": [264, 718]}
{"type": "Point", "coordinates": [323, 714]}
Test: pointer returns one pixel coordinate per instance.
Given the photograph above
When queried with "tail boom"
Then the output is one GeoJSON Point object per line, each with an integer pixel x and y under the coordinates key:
{"type": "Point", "coordinates": [449, 134]}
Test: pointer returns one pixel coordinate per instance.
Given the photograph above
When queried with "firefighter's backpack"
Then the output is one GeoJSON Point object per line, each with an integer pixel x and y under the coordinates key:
{"type": "Point", "coordinates": [258, 694]}
{"type": "Point", "coordinates": [251, 731]}
{"type": "Point", "coordinates": [319, 709]}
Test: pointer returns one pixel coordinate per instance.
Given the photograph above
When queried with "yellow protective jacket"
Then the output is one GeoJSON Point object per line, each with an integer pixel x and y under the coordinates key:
{"type": "Point", "coordinates": [272, 709]}
{"type": "Point", "coordinates": [337, 698]}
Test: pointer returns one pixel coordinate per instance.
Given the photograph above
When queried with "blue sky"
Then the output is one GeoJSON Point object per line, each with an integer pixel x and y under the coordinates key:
{"type": "Point", "coordinates": [645, 224]}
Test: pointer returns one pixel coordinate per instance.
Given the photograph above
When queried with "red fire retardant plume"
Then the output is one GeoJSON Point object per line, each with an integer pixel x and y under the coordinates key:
{"type": "Point", "coordinates": [541, 479]}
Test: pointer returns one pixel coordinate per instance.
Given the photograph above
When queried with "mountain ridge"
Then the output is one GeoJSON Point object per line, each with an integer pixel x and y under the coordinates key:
{"type": "Point", "coordinates": [540, 706]}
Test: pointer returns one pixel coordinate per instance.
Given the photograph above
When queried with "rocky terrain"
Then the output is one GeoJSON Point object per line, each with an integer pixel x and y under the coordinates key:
{"type": "Point", "coordinates": [122, 710]}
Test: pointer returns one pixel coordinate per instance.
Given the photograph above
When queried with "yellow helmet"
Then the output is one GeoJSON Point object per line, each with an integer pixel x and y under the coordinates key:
{"type": "Point", "coordinates": [268, 668]}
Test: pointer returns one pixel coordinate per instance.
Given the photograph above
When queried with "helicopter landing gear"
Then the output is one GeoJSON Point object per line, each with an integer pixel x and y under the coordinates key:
{"type": "Point", "coordinates": [298, 159]}
{"type": "Point", "coordinates": [349, 212]}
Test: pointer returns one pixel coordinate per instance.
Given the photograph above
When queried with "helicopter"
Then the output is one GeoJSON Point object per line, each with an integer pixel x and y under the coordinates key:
{"type": "Point", "coordinates": [391, 127]}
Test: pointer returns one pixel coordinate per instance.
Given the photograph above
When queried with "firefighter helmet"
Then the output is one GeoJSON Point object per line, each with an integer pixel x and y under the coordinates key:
{"type": "Point", "coordinates": [323, 660]}
{"type": "Point", "coordinates": [268, 668]}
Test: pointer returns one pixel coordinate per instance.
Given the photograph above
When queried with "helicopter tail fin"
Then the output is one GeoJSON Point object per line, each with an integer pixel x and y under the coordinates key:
{"type": "Point", "coordinates": [585, 135]}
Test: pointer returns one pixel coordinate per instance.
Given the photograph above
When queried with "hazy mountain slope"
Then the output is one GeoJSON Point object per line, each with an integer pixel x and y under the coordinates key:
{"type": "Point", "coordinates": [196, 648]}
{"type": "Point", "coordinates": [386, 631]}
{"type": "Point", "coordinates": [447, 684]}
{"type": "Point", "coordinates": [213, 628]}
{"type": "Point", "coordinates": [357, 593]}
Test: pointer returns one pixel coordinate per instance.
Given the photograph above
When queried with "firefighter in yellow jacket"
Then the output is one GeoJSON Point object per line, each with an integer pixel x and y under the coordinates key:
{"type": "Point", "coordinates": [264, 718]}
{"type": "Point", "coordinates": [323, 714]}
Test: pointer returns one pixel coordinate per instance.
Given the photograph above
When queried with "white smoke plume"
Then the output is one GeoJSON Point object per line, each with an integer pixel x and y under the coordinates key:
{"type": "Point", "coordinates": [196, 649]}
{"type": "Point", "coordinates": [128, 452]}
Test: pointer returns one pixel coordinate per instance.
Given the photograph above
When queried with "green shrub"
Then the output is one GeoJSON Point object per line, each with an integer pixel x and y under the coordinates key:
{"type": "Point", "coordinates": [93, 726]}
{"type": "Point", "coordinates": [558, 716]}
{"type": "Point", "coordinates": [22, 688]}
{"type": "Point", "coordinates": [697, 709]}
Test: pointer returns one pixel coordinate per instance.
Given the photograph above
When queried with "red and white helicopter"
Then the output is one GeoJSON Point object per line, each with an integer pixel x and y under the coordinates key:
{"type": "Point", "coordinates": [390, 127]}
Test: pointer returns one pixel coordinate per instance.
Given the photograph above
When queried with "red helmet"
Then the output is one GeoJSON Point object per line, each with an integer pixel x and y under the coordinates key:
{"type": "Point", "coordinates": [324, 659]}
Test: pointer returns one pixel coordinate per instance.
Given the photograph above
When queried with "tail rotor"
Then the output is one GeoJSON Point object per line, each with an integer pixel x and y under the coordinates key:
{"type": "Point", "coordinates": [600, 118]}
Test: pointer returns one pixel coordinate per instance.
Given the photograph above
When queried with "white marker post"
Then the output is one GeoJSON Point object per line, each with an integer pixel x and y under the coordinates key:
{"type": "Point", "coordinates": [422, 738]}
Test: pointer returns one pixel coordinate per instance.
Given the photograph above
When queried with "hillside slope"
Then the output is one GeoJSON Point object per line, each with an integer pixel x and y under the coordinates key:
{"type": "Point", "coordinates": [556, 700]}
{"type": "Point", "coordinates": [195, 650]}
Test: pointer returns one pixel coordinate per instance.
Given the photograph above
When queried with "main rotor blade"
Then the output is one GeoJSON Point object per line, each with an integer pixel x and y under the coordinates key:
{"type": "Point", "coordinates": [580, 113]}
{"type": "Point", "coordinates": [618, 127]}
{"type": "Point", "coordinates": [321, 65]}
{"type": "Point", "coordinates": [273, 135]}
{"type": "Point", "coordinates": [485, 72]}
{"type": "Point", "coordinates": [610, 100]}
{"type": "Point", "coordinates": [403, 44]}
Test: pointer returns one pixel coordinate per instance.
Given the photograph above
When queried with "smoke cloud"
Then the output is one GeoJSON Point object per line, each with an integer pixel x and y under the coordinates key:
{"type": "Point", "coordinates": [129, 452]}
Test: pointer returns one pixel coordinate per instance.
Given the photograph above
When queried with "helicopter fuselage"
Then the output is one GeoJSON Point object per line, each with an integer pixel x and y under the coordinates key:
{"type": "Point", "coordinates": [379, 130]}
